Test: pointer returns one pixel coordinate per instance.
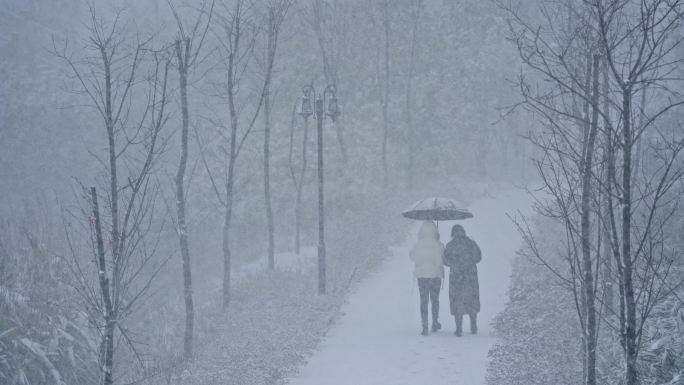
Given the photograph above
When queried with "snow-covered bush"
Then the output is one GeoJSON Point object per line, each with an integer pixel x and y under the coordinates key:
{"type": "Point", "coordinates": [42, 341]}
{"type": "Point", "coordinates": [538, 333]}
{"type": "Point", "coordinates": [539, 337]}
{"type": "Point", "coordinates": [661, 357]}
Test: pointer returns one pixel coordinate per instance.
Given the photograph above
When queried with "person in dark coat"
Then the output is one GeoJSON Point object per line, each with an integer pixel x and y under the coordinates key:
{"type": "Point", "coordinates": [461, 256]}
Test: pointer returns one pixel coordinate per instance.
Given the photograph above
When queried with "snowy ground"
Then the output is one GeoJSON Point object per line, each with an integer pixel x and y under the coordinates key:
{"type": "Point", "coordinates": [377, 341]}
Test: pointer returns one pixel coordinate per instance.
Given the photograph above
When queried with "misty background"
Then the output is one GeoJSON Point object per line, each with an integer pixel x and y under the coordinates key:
{"type": "Point", "coordinates": [437, 97]}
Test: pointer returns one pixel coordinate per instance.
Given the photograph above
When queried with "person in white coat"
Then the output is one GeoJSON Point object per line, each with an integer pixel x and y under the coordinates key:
{"type": "Point", "coordinates": [426, 253]}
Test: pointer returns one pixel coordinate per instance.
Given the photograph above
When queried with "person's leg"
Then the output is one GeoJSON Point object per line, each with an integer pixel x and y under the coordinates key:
{"type": "Point", "coordinates": [434, 299]}
{"type": "Point", "coordinates": [424, 297]}
{"type": "Point", "coordinates": [459, 324]}
{"type": "Point", "coordinates": [473, 323]}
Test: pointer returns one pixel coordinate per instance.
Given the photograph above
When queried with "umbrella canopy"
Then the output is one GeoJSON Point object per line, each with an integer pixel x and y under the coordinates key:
{"type": "Point", "coordinates": [436, 209]}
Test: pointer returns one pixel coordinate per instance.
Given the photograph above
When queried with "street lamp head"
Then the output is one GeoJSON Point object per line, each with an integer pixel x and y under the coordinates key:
{"type": "Point", "coordinates": [333, 109]}
{"type": "Point", "coordinates": [305, 108]}
{"type": "Point", "coordinates": [330, 97]}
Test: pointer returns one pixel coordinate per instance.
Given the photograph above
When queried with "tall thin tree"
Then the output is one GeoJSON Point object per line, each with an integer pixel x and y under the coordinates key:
{"type": "Point", "coordinates": [639, 42]}
{"type": "Point", "coordinates": [187, 47]}
{"type": "Point", "coordinates": [109, 78]}
{"type": "Point", "coordinates": [387, 29]}
{"type": "Point", "coordinates": [416, 11]}
{"type": "Point", "coordinates": [276, 12]}
{"type": "Point", "coordinates": [237, 38]}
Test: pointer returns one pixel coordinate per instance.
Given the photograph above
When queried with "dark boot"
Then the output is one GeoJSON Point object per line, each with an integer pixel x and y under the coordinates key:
{"type": "Point", "coordinates": [436, 326]}
{"type": "Point", "coordinates": [459, 325]}
{"type": "Point", "coordinates": [425, 330]}
{"type": "Point", "coordinates": [473, 323]}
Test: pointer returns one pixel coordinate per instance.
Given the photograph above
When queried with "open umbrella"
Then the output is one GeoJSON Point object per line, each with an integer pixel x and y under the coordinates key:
{"type": "Point", "coordinates": [436, 209]}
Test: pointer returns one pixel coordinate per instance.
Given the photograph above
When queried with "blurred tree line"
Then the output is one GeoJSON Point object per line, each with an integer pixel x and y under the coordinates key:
{"type": "Point", "coordinates": [183, 117]}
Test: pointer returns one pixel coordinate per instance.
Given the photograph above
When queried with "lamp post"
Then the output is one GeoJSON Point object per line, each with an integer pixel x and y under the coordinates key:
{"type": "Point", "coordinates": [325, 104]}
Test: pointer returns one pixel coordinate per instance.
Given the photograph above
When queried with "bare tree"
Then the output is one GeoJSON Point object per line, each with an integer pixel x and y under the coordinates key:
{"type": "Point", "coordinates": [636, 44]}
{"type": "Point", "coordinates": [416, 10]}
{"type": "Point", "coordinates": [123, 249]}
{"type": "Point", "coordinates": [276, 12]}
{"type": "Point", "coordinates": [568, 144]}
{"type": "Point", "coordinates": [187, 47]}
{"type": "Point", "coordinates": [639, 41]}
{"type": "Point", "coordinates": [387, 29]}
{"type": "Point", "coordinates": [239, 31]}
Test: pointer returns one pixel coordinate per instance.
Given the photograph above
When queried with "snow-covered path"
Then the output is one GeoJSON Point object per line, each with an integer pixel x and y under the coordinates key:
{"type": "Point", "coordinates": [377, 341]}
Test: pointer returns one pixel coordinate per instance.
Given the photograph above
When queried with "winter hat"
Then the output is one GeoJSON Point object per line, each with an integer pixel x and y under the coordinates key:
{"type": "Point", "coordinates": [457, 231]}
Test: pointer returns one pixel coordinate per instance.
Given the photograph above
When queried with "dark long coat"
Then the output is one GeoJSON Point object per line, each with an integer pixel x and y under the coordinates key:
{"type": "Point", "coordinates": [462, 255]}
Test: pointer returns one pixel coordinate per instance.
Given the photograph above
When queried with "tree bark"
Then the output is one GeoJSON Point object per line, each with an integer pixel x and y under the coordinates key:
{"type": "Point", "coordinates": [409, 96]}
{"type": "Point", "coordinates": [226, 242]}
{"type": "Point", "coordinates": [267, 182]}
{"type": "Point", "coordinates": [113, 179]}
{"type": "Point", "coordinates": [386, 93]}
{"type": "Point", "coordinates": [588, 278]}
{"type": "Point", "coordinates": [630, 327]}
{"type": "Point", "coordinates": [267, 149]}
{"type": "Point", "coordinates": [107, 340]}
{"type": "Point", "coordinates": [608, 249]}
{"type": "Point", "coordinates": [232, 158]}
{"type": "Point", "coordinates": [183, 57]}
{"type": "Point", "coordinates": [109, 289]}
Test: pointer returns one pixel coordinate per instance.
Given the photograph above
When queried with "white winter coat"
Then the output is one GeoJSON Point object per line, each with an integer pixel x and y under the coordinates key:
{"type": "Point", "coordinates": [427, 252]}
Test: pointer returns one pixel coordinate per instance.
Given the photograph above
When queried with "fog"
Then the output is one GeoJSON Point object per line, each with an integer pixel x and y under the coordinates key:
{"type": "Point", "coordinates": [237, 191]}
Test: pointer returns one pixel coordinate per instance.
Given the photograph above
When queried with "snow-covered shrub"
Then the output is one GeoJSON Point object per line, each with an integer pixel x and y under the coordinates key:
{"type": "Point", "coordinates": [276, 318]}
{"type": "Point", "coordinates": [538, 334]}
{"type": "Point", "coordinates": [539, 337]}
{"type": "Point", "coordinates": [42, 340]}
{"type": "Point", "coordinates": [661, 357]}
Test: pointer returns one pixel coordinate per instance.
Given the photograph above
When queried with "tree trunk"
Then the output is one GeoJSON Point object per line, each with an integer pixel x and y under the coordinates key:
{"type": "Point", "coordinates": [267, 181]}
{"type": "Point", "coordinates": [409, 95]}
{"type": "Point", "coordinates": [109, 289]}
{"type": "Point", "coordinates": [107, 341]}
{"type": "Point", "coordinates": [611, 178]}
{"type": "Point", "coordinates": [113, 176]}
{"type": "Point", "coordinates": [638, 161]}
{"type": "Point", "coordinates": [229, 211]}
{"type": "Point", "coordinates": [232, 158]}
{"type": "Point", "coordinates": [608, 249]}
{"type": "Point", "coordinates": [232, 155]}
{"type": "Point", "coordinates": [226, 246]}
{"type": "Point", "coordinates": [588, 279]}
{"type": "Point", "coordinates": [267, 158]}
{"type": "Point", "coordinates": [180, 201]}
{"type": "Point", "coordinates": [630, 337]}
{"type": "Point", "coordinates": [385, 99]}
